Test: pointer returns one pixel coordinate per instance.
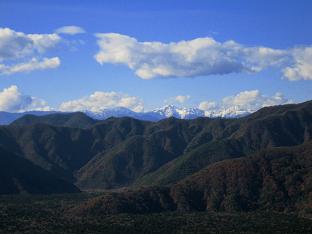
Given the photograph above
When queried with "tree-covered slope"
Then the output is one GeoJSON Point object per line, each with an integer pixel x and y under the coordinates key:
{"type": "Point", "coordinates": [18, 175]}
{"type": "Point", "coordinates": [122, 152]}
{"type": "Point", "coordinates": [74, 120]}
{"type": "Point", "coordinates": [277, 179]}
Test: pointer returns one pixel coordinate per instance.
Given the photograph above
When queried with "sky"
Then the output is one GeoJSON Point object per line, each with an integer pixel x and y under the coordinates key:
{"type": "Point", "coordinates": [212, 54]}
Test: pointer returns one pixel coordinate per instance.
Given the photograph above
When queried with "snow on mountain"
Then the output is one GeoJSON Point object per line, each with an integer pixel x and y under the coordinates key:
{"type": "Point", "coordinates": [111, 112]}
{"type": "Point", "coordinates": [154, 115]}
{"type": "Point", "coordinates": [231, 112]}
{"type": "Point", "coordinates": [178, 112]}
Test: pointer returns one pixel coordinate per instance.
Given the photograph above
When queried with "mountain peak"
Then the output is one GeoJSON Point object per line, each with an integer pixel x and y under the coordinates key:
{"type": "Point", "coordinates": [179, 112]}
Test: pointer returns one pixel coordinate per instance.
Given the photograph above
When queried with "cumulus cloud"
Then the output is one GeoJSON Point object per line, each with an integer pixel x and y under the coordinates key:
{"type": "Point", "coordinates": [20, 52]}
{"type": "Point", "coordinates": [198, 57]}
{"type": "Point", "coordinates": [207, 105]}
{"type": "Point", "coordinates": [243, 102]}
{"type": "Point", "coordinates": [98, 101]}
{"type": "Point", "coordinates": [70, 30]}
{"type": "Point", "coordinates": [253, 99]}
{"type": "Point", "coordinates": [33, 64]}
{"type": "Point", "coordinates": [301, 69]}
{"type": "Point", "coordinates": [14, 45]}
{"type": "Point", "coordinates": [12, 100]}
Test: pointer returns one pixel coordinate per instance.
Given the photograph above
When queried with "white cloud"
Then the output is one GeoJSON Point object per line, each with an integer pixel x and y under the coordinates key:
{"type": "Point", "coordinates": [198, 57]}
{"type": "Point", "coordinates": [33, 64]}
{"type": "Point", "coordinates": [302, 65]}
{"type": "Point", "coordinates": [177, 100]}
{"type": "Point", "coordinates": [243, 98]}
{"type": "Point", "coordinates": [12, 100]}
{"type": "Point", "coordinates": [15, 45]}
{"type": "Point", "coordinates": [243, 102]}
{"type": "Point", "coordinates": [70, 30]}
{"type": "Point", "coordinates": [207, 105]}
{"type": "Point", "coordinates": [20, 52]}
{"type": "Point", "coordinates": [182, 99]}
{"type": "Point", "coordinates": [254, 100]}
{"type": "Point", "coordinates": [98, 101]}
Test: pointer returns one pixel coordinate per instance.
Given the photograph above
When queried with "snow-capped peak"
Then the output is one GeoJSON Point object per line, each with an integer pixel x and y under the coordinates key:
{"type": "Point", "coordinates": [179, 112]}
{"type": "Point", "coordinates": [231, 112]}
{"type": "Point", "coordinates": [168, 111]}
{"type": "Point", "coordinates": [111, 112]}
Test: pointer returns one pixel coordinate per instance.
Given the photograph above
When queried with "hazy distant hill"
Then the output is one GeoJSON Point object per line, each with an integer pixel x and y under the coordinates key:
{"type": "Point", "coordinates": [7, 117]}
{"type": "Point", "coordinates": [74, 120]}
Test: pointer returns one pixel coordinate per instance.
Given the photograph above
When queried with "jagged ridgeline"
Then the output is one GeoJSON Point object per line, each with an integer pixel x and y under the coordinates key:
{"type": "Point", "coordinates": [231, 164]}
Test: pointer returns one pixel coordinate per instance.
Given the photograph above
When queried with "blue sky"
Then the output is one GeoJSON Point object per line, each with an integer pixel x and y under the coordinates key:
{"type": "Point", "coordinates": [280, 25]}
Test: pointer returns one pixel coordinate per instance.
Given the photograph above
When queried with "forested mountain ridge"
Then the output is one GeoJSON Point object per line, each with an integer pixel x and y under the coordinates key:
{"type": "Point", "coordinates": [123, 152]}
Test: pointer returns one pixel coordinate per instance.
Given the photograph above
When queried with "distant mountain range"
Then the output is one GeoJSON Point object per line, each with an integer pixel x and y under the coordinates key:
{"type": "Point", "coordinates": [155, 115]}
{"type": "Point", "coordinates": [8, 117]}
{"type": "Point", "coordinates": [261, 161]}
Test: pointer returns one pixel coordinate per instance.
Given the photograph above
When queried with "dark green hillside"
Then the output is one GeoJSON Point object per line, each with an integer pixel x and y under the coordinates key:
{"type": "Point", "coordinates": [74, 120]}
{"type": "Point", "coordinates": [275, 179]}
{"type": "Point", "coordinates": [122, 152]}
{"type": "Point", "coordinates": [137, 155]}
{"type": "Point", "coordinates": [158, 172]}
{"type": "Point", "coordinates": [282, 126]}
{"type": "Point", "coordinates": [140, 201]}
{"type": "Point", "coordinates": [18, 175]}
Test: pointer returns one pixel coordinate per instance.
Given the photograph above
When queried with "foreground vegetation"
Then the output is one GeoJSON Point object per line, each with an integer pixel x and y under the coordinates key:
{"type": "Point", "coordinates": [48, 214]}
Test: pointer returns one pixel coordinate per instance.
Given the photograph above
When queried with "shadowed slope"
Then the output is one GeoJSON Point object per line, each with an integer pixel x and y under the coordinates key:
{"type": "Point", "coordinates": [277, 179]}
{"type": "Point", "coordinates": [18, 175]}
{"type": "Point", "coordinates": [270, 127]}
{"type": "Point", "coordinates": [74, 120]}
{"type": "Point", "coordinates": [121, 152]}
